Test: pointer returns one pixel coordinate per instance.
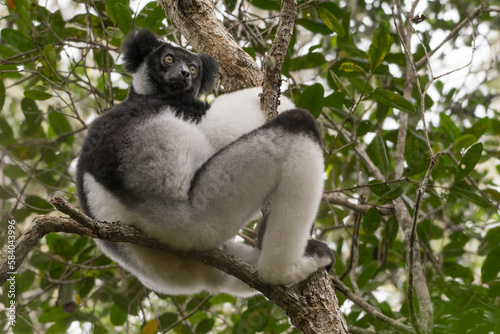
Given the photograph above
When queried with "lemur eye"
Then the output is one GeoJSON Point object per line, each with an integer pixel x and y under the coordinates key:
{"type": "Point", "coordinates": [168, 59]}
{"type": "Point", "coordinates": [192, 69]}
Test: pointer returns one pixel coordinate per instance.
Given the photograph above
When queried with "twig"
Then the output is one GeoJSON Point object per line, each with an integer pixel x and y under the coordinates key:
{"type": "Point", "coordinates": [333, 198]}
{"type": "Point", "coordinates": [273, 61]}
{"type": "Point", "coordinates": [187, 316]}
{"type": "Point", "coordinates": [372, 311]}
{"type": "Point", "coordinates": [478, 11]}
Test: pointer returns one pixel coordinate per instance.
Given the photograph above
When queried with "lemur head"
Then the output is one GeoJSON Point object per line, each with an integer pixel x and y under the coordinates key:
{"type": "Point", "coordinates": [162, 68]}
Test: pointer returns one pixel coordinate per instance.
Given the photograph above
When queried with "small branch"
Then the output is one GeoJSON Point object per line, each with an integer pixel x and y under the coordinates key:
{"type": "Point", "coordinates": [273, 62]}
{"type": "Point", "coordinates": [372, 311]}
{"type": "Point", "coordinates": [478, 11]}
{"type": "Point", "coordinates": [197, 307]}
{"type": "Point", "coordinates": [333, 198]}
{"type": "Point", "coordinates": [413, 236]}
{"type": "Point", "coordinates": [425, 319]}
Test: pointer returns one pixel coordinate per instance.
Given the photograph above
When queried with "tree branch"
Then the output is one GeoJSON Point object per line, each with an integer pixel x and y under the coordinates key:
{"type": "Point", "coordinates": [425, 321]}
{"type": "Point", "coordinates": [333, 198]}
{"type": "Point", "coordinates": [273, 62]}
{"type": "Point", "coordinates": [372, 311]}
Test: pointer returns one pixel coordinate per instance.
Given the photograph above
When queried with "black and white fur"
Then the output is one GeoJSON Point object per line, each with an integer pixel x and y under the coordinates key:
{"type": "Point", "coordinates": [191, 174]}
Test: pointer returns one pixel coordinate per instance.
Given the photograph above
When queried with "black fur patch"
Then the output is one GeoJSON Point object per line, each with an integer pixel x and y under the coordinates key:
{"type": "Point", "coordinates": [316, 247]}
{"type": "Point", "coordinates": [210, 71]}
{"type": "Point", "coordinates": [108, 136]}
{"type": "Point", "coordinates": [295, 121]}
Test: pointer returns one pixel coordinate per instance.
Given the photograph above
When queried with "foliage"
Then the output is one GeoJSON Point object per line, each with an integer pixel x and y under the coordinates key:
{"type": "Point", "coordinates": [59, 70]}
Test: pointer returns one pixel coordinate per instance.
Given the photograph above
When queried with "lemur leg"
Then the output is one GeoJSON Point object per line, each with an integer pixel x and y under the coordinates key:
{"type": "Point", "coordinates": [282, 159]}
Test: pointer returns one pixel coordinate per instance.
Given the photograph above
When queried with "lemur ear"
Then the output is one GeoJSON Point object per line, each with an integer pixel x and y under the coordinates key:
{"type": "Point", "coordinates": [137, 46]}
{"type": "Point", "coordinates": [210, 72]}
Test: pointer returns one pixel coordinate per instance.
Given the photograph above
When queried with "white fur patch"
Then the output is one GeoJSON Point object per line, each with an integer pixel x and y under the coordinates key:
{"type": "Point", "coordinates": [141, 81]}
{"type": "Point", "coordinates": [232, 115]}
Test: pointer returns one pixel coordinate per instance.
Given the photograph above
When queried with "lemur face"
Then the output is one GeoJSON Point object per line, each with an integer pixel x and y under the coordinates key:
{"type": "Point", "coordinates": [174, 70]}
{"type": "Point", "coordinates": [161, 68]}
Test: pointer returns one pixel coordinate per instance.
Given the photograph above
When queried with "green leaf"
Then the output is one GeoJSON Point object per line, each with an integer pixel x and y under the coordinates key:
{"type": "Point", "coordinates": [39, 204]}
{"type": "Point", "coordinates": [351, 67]}
{"type": "Point", "coordinates": [153, 20]}
{"type": "Point", "coordinates": [205, 326]}
{"type": "Point", "coordinates": [23, 326]}
{"type": "Point", "coordinates": [316, 27]}
{"type": "Point", "coordinates": [13, 172]}
{"type": "Point", "coordinates": [60, 124]}
{"type": "Point", "coordinates": [378, 188]}
{"type": "Point", "coordinates": [117, 315]}
{"type": "Point", "coordinates": [455, 270]}
{"type": "Point", "coordinates": [367, 273]}
{"type": "Point", "coordinates": [380, 46]}
{"type": "Point", "coordinates": [6, 192]}
{"type": "Point", "coordinates": [390, 195]}
{"type": "Point", "coordinates": [448, 127]}
{"type": "Point", "coordinates": [17, 39]}
{"type": "Point", "coordinates": [470, 196]}
{"type": "Point", "coordinates": [331, 21]}
{"type": "Point", "coordinates": [37, 94]}
{"type": "Point", "coordinates": [339, 83]}
{"type": "Point", "coordinates": [464, 141]}
{"type": "Point", "coordinates": [254, 319]}
{"type": "Point", "coordinates": [391, 99]}
{"type": "Point", "coordinates": [123, 18]}
{"type": "Point", "coordinates": [371, 221]}
{"type": "Point", "coordinates": [110, 9]}
{"type": "Point", "coordinates": [378, 153]}
{"type": "Point", "coordinates": [31, 112]}
{"type": "Point", "coordinates": [363, 128]}
{"type": "Point", "coordinates": [308, 61]}
{"type": "Point", "coordinates": [416, 155]}
{"type": "Point", "coordinates": [468, 161]}
{"type": "Point", "coordinates": [57, 244]}
{"type": "Point", "coordinates": [312, 99]}
{"type": "Point", "coordinates": [491, 266]}
{"type": "Point", "coordinates": [53, 314]}
{"type": "Point", "coordinates": [49, 62]}
{"type": "Point", "coordinates": [267, 4]}
{"type": "Point", "coordinates": [167, 319]}
{"type": "Point", "coordinates": [391, 229]}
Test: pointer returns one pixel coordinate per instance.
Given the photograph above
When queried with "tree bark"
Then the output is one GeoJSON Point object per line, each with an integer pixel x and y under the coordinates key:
{"type": "Point", "coordinates": [273, 62]}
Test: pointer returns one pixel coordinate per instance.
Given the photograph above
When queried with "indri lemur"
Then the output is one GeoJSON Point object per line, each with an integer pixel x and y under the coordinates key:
{"type": "Point", "coordinates": [190, 174]}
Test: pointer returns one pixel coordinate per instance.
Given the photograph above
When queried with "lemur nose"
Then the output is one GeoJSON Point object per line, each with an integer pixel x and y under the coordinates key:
{"type": "Point", "coordinates": [185, 74]}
